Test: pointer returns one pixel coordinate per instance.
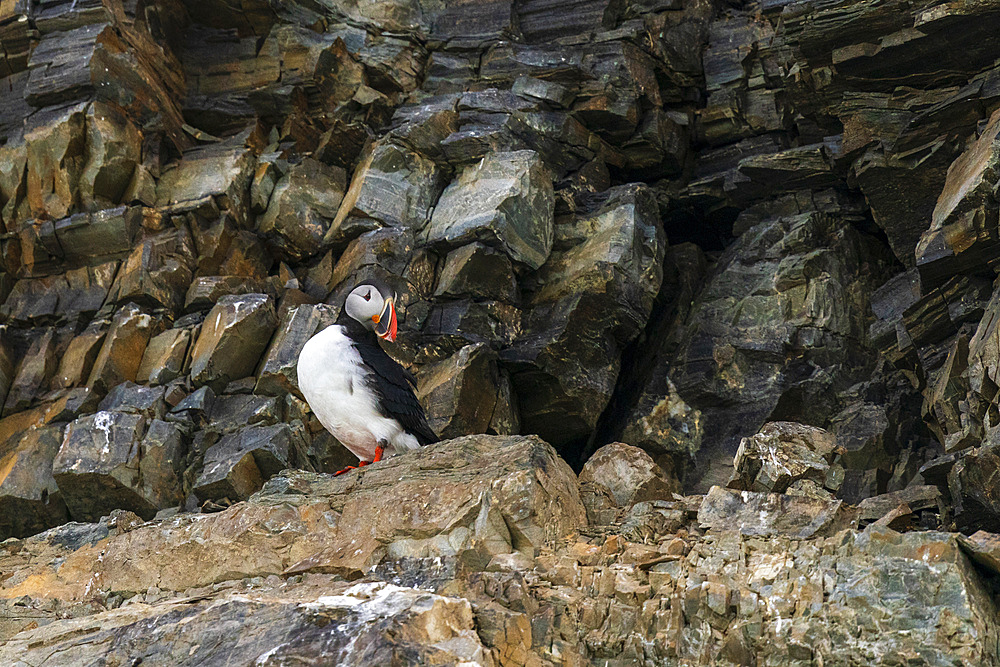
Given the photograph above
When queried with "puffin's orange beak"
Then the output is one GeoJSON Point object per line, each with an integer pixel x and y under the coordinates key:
{"type": "Point", "coordinates": [385, 322]}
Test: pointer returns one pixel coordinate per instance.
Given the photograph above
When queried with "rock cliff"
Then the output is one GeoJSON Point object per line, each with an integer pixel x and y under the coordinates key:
{"type": "Point", "coordinates": [700, 294]}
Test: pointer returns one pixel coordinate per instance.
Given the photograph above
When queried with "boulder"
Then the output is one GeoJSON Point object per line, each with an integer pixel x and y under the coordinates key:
{"type": "Point", "coordinates": [90, 52]}
{"type": "Point", "coordinates": [902, 212]}
{"type": "Point", "coordinates": [780, 454]}
{"type": "Point", "coordinates": [767, 514]}
{"type": "Point", "coordinates": [302, 209]}
{"type": "Point", "coordinates": [114, 154]}
{"type": "Point", "coordinates": [914, 499]}
{"type": "Point", "coordinates": [963, 398]}
{"type": "Point", "coordinates": [426, 124]}
{"type": "Point", "coordinates": [30, 501]}
{"type": "Point", "coordinates": [72, 404]}
{"type": "Point", "coordinates": [240, 462]}
{"type": "Point", "coordinates": [195, 407]}
{"type": "Point", "coordinates": [456, 323]}
{"type": "Point", "coordinates": [389, 250]}
{"type": "Point", "coordinates": [97, 467]}
{"type": "Point", "coordinates": [225, 249]}
{"type": "Point", "coordinates": [629, 475]}
{"type": "Point", "coordinates": [504, 201]}
{"type": "Point", "coordinates": [669, 427]}
{"type": "Point", "coordinates": [233, 337]}
{"type": "Point", "coordinates": [164, 451]}
{"type": "Point", "coordinates": [13, 157]}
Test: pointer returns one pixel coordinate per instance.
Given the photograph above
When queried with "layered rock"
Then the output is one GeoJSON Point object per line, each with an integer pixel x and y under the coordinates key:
{"type": "Point", "coordinates": [339, 621]}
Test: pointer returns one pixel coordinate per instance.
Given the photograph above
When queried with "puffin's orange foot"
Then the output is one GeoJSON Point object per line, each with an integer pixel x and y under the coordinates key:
{"type": "Point", "coordinates": [379, 451]}
{"type": "Point", "coordinates": [361, 464]}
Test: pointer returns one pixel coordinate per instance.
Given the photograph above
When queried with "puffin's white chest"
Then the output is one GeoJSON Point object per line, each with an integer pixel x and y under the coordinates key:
{"type": "Point", "coordinates": [335, 383]}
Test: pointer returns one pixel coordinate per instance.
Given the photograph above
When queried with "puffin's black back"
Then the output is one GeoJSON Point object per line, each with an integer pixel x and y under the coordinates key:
{"type": "Point", "coordinates": [393, 385]}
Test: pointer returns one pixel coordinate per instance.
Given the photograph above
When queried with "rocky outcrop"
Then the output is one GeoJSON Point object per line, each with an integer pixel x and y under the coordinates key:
{"type": "Point", "coordinates": [486, 494]}
{"type": "Point", "coordinates": [787, 304]}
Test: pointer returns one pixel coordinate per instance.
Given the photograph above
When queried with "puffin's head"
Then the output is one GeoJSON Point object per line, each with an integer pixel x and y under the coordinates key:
{"type": "Point", "coordinates": [374, 307]}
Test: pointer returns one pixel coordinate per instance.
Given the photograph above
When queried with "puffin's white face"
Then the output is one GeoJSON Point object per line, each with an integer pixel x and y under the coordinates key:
{"type": "Point", "coordinates": [367, 305]}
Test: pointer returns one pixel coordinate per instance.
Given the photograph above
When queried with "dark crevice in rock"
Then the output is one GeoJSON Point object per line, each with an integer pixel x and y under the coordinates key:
{"type": "Point", "coordinates": [710, 229]}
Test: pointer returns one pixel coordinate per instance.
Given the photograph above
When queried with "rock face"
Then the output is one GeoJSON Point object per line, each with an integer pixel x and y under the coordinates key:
{"type": "Point", "coordinates": [762, 300]}
{"type": "Point", "coordinates": [589, 304]}
{"type": "Point", "coordinates": [734, 261]}
{"type": "Point", "coordinates": [237, 465]}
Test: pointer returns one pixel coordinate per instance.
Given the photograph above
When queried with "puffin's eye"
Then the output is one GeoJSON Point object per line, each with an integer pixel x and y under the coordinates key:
{"type": "Point", "coordinates": [368, 296]}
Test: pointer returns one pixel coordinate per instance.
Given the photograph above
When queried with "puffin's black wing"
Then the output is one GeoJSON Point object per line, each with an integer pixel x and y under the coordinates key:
{"type": "Point", "coordinates": [394, 386]}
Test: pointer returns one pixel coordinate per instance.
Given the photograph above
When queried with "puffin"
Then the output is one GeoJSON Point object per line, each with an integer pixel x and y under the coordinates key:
{"type": "Point", "coordinates": [358, 392]}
